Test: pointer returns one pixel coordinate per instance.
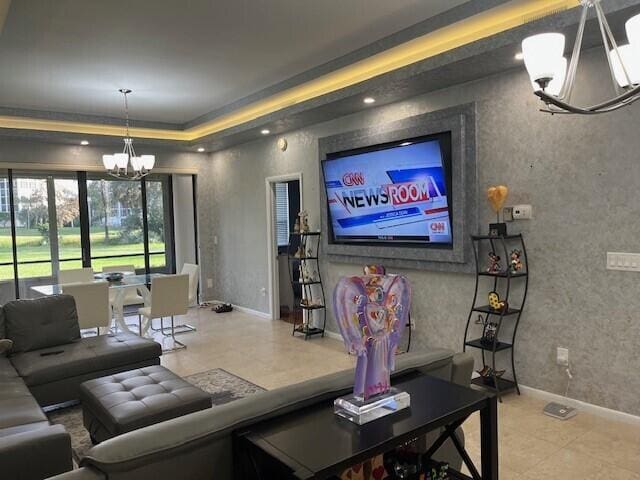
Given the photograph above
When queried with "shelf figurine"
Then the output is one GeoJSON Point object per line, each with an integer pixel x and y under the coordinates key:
{"type": "Point", "coordinates": [303, 221]}
{"type": "Point", "coordinates": [515, 263]}
{"type": "Point", "coordinates": [487, 373]}
{"type": "Point", "coordinates": [496, 304]}
{"type": "Point", "coordinates": [494, 263]}
{"type": "Point", "coordinates": [497, 195]}
{"type": "Point", "coordinates": [296, 226]}
{"type": "Point", "coordinates": [490, 331]}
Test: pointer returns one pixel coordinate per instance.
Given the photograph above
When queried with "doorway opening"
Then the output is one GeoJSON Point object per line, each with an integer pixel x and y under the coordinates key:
{"type": "Point", "coordinates": [285, 203]}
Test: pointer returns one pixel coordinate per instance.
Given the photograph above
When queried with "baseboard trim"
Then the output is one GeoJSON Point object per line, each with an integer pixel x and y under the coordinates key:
{"type": "Point", "coordinates": [242, 309]}
{"type": "Point", "coordinates": [334, 335]}
{"type": "Point", "coordinates": [582, 406]}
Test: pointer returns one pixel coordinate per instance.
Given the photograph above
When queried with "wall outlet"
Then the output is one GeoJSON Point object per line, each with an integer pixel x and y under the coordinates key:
{"type": "Point", "coordinates": [522, 212]}
{"type": "Point", "coordinates": [562, 356]}
{"type": "Point", "coordinates": [263, 291]}
{"type": "Point", "coordinates": [209, 282]}
{"type": "Point", "coordinates": [215, 239]}
{"type": "Point", "coordinates": [629, 262]}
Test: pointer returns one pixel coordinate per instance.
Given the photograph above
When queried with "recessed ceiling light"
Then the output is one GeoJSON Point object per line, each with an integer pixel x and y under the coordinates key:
{"type": "Point", "coordinates": [84, 142]}
{"type": "Point", "coordinates": [404, 144]}
{"type": "Point", "coordinates": [519, 56]}
{"type": "Point", "coordinates": [265, 131]}
{"type": "Point", "coordinates": [369, 100]}
{"type": "Point", "coordinates": [201, 149]}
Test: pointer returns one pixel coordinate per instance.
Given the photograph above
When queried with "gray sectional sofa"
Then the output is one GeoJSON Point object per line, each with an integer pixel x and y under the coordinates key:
{"type": "Point", "coordinates": [199, 446]}
{"type": "Point", "coordinates": [45, 366]}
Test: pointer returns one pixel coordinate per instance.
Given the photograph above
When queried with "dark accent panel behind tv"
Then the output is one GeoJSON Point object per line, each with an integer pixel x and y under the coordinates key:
{"type": "Point", "coordinates": [460, 121]}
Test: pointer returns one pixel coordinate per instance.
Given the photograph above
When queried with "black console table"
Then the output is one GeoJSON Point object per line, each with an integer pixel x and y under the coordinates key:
{"type": "Point", "coordinates": [314, 443]}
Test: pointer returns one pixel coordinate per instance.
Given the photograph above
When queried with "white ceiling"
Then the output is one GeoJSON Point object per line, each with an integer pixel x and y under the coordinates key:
{"type": "Point", "coordinates": [181, 58]}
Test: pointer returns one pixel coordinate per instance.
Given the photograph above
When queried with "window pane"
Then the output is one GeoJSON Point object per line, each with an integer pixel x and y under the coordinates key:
{"type": "Point", "coordinates": [68, 223]}
{"type": "Point", "coordinates": [156, 223]}
{"type": "Point", "coordinates": [115, 217]}
{"type": "Point", "coordinates": [136, 260]}
{"type": "Point", "coordinates": [7, 286]}
{"type": "Point", "coordinates": [32, 232]}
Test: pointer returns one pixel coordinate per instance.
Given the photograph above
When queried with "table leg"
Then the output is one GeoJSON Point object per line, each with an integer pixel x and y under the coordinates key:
{"type": "Point", "coordinates": [146, 297]}
{"type": "Point", "coordinates": [118, 310]}
{"type": "Point", "coordinates": [489, 439]}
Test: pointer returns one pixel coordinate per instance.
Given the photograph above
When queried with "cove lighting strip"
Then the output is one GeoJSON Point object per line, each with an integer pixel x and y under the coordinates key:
{"type": "Point", "coordinates": [482, 25]}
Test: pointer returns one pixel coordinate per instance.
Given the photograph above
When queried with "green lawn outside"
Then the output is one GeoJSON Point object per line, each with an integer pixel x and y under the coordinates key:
{"type": "Point", "coordinates": [31, 246]}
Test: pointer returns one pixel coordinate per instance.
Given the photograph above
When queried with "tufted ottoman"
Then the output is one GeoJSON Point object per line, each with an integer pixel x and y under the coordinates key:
{"type": "Point", "coordinates": [127, 401]}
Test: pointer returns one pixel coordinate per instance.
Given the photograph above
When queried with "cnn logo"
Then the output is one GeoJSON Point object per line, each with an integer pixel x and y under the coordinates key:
{"type": "Point", "coordinates": [353, 178]}
{"type": "Point", "coordinates": [438, 227]}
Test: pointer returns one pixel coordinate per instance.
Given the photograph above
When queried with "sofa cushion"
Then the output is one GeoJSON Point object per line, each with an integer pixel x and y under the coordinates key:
{"type": "Point", "coordinates": [41, 323]}
{"type": "Point", "coordinates": [17, 406]}
{"type": "Point", "coordinates": [91, 354]}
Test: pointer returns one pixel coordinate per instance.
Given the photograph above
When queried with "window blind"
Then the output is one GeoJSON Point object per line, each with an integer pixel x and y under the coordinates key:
{"type": "Point", "coordinates": [282, 214]}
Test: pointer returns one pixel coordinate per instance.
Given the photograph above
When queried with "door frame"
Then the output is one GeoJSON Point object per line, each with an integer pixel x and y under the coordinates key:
{"type": "Point", "coordinates": [272, 247]}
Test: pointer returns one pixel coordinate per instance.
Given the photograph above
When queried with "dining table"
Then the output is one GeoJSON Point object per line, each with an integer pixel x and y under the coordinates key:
{"type": "Point", "coordinates": [119, 288]}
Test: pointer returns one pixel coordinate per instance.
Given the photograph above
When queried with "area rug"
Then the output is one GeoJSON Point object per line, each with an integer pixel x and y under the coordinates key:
{"type": "Point", "coordinates": [223, 386]}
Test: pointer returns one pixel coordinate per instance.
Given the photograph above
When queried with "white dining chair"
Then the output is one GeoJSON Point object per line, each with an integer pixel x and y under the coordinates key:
{"type": "Point", "coordinates": [92, 304]}
{"type": "Point", "coordinates": [169, 297]}
{"type": "Point", "coordinates": [193, 271]}
{"type": "Point", "coordinates": [75, 275]}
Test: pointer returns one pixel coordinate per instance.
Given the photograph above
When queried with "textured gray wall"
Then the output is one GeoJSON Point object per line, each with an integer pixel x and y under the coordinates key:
{"type": "Point", "coordinates": [580, 174]}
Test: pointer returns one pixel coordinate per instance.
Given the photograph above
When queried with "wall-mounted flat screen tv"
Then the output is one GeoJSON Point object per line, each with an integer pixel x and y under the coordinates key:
{"type": "Point", "coordinates": [396, 193]}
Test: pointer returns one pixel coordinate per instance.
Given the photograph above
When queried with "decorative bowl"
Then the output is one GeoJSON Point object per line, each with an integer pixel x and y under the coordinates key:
{"type": "Point", "coordinates": [114, 276]}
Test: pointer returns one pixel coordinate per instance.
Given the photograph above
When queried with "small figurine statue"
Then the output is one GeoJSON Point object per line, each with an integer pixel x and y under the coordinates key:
{"type": "Point", "coordinates": [494, 263]}
{"type": "Point", "coordinates": [496, 304]}
{"type": "Point", "coordinates": [299, 253]}
{"type": "Point", "coordinates": [303, 221]}
{"type": "Point", "coordinates": [489, 333]}
{"type": "Point", "coordinates": [304, 274]}
{"type": "Point", "coordinates": [515, 263]}
{"type": "Point", "coordinates": [296, 226]}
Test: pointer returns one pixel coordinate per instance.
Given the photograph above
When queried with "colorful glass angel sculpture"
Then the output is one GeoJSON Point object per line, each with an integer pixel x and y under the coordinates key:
{"type": "Point", "coordinates": [371, 312]}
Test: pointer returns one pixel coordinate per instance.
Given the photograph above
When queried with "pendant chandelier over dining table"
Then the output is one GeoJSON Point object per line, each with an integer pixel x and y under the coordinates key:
{"type": "Point", "coordinates": [553, 78]}
{"type": "Point", "coordinates": [117, 164]}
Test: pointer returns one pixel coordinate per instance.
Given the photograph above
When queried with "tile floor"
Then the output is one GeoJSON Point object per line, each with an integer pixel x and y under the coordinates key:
{"type": "Point", "coordinates": [532, 446]}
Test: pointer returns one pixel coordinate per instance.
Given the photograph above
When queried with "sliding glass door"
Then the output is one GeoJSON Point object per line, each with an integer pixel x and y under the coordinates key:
{"type": "Point", "coordinates": [33, 239]}
{"type": "Point", "coordinates": [115, 220]}
{"type": "Point", "coordinates": [69, 220]}
{"type": "Point", "coordinates": [7, 274]}
{"type": "Point", "coordinates": [67, 253]}
{"type": "Point", "coordinates": [158, 194]}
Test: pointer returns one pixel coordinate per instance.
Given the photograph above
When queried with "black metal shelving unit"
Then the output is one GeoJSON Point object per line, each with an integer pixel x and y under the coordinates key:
{"type": "Point", "coordinates": [505, 319]}
{"type": "Point", "coordinates": [309, 244]}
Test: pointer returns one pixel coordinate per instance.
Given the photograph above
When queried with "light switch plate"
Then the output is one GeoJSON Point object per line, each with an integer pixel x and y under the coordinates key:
{"type": "Point", "coordinates": [629, 262]}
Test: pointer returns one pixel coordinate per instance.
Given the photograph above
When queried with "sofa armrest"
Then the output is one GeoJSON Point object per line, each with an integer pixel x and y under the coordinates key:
{"type": "Point", "coordinates": [462, 368]}
{"type": "Point", "coordinates": [36, 454]}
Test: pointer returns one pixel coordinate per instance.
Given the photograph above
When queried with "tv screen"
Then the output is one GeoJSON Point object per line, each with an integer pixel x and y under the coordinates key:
{"type": "Point", "coordinates": [396, 193]}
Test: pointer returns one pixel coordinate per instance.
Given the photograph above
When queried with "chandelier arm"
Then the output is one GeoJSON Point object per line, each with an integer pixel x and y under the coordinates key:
{"type": "Point", "coordinates": [608, 46]}
{"type": "Point", "coordinates": [614, 45]}
{"type": "Point", "coordinates": [625, 98]}
{"type": "Point", "coordinates": [569, 81]}
{"type": "Point", "coordinates": [612, 108]}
